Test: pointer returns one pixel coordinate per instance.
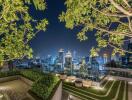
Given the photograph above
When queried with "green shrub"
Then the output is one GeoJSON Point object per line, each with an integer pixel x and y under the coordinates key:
{"type": "Point", "coordinates": [43, 83]}
{"type": "Point", "coordinates": [41, 90]}
{"type": "Point", "coordinates": [32, 75]}
{"type": "Point", "coordinates": [9, 73]}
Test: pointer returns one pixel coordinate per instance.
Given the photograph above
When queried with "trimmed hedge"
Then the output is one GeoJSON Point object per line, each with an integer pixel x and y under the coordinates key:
{"type": "Point", "coordinates": [9, 73]}
{"type": "Point", "coordinates": [43, 86]}
{"type": "Point", "coordinates": [31, 74]}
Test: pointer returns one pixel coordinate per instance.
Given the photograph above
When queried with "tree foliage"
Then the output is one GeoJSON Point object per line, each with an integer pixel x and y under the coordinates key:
{"type": "Point", "coordinates": [17, 28]}
{"type": "Point", "coordinates": [112, 20]}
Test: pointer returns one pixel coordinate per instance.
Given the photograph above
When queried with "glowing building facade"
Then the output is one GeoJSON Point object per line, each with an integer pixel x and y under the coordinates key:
{"type": "Point", "coordinates": [68, 63]}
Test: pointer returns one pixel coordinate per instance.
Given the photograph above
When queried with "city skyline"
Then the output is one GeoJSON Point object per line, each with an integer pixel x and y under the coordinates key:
{"type": "Point", "coordinates": [57, 36]}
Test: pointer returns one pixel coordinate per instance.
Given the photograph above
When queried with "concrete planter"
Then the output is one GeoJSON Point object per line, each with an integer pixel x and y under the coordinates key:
{"type": "Point", "coordinates": [56, 96]}
{"type": "Point", "coordinates": [11, 78]}
{"type": "Point", "coordinates": [63, 77]}
{"type": "Point", "coordinates": [78, 83]}
{"type": "Point", "coordinates": [87, 83]}
{"type": "Point", "coordinates": [27, 81]}
{"type": "Point", "coordinates": [58, 93]}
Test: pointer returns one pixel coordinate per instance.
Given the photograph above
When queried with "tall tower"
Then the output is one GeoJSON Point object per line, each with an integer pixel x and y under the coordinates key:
{"type": "Point", "coordinates": [68, 62]}
{"type": "Point", "coordinates": [61, 58]}
{"type": "Point", "coordinates": [129, 55]}
{"type": "Point", "coordinates": [74, 55]}
{"type": "Point", "coordinates": [105, 58]}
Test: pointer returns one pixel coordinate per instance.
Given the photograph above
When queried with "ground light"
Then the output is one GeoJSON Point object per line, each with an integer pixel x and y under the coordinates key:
{"type": "Point", "coordinates": [98, 87]}
{"type": "Point", "coordinates": [1, 96]}
{"type": "Point", "coordinates": [129, 82]}
{"type": "Point", "coordinates": [70, 97]}
{"type": "Point", "coordinates": [111, 79]}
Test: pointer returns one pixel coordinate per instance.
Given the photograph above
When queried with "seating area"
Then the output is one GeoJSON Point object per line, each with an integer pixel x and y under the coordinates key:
{"type": "Point", "coordinates": [78, 82]}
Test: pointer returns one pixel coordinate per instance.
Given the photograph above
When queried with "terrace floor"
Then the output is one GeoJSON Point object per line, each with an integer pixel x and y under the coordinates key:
{"type": "Point", "coordinates": [129, 90]}
{"type": "Point", "coordinates": [111, 90]}
{"type": "Point", "coordinates": [15, 90]}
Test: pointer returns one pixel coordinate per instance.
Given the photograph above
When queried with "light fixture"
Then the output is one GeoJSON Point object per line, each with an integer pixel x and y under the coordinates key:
{"type": "Point", "coordinates": [1, 96]}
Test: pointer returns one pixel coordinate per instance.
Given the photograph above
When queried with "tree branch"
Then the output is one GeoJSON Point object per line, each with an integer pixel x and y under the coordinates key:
{"type": "Point", "coordinates": [112, 32]}
{"type": "Point", "coordinates": [129, 22]}
{"type": "Point", "coordinates": [110, 14]}
{"type": "Point", "coordinates": [119, 48]}
{"type": "Point", "coordinates": [120, 8]}
{"type": "Point", "coordinates": [125, 1]}
{"type": "Point", "coordinates": [12, 59]}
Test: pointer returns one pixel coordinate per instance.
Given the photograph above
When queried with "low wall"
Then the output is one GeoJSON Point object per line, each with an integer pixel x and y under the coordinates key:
{"type": "Point", "coordinates": [27, 81]}
{"type": "Point", "coordinates": [11, 78]}
{"type": "Point", "coordinates": [58, 93]}
{"type": "Point", "coordinates": [119, 78]}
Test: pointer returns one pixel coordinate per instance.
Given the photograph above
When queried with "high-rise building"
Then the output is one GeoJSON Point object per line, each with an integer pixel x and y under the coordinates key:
{"type": "Point", "coordinates": [68, 62]}
{"type": "Point", "coordinates": [127, 59]}
{"type": "Point", "coordinates": [105, 58]}
{"type": "Point", "coordinates": [61, 58]}
{"type": "Point", "coordinates": [129, 54]}
{"type": "Point", "coordinates": [94, 69]}
{"type": "Point", "coordinates": [74, 55]}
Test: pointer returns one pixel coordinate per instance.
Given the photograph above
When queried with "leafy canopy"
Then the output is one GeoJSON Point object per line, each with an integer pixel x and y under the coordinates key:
{"type": "Point", "coordinates": [112, 20]}
{"type": "Point", "coordinates": [17, 28]}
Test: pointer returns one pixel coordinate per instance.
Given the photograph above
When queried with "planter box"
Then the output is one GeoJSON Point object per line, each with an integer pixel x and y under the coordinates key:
{"type": "Point", "coordinates": [27, 81]}
{"type": "Point", "coordinates": [9, 78]}
{"type": "Point", "coordinates": [87, 83]}
{"type": "Point", "coordinates": [63, 77]}
{"type": "Point", "coordinates": [58, 94]}
{"type": "Point", "coordinates": [17, 77]}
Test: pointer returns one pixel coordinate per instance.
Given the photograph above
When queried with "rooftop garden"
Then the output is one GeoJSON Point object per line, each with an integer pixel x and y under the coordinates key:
{"type": "Point", "coordinates": [109, 89]}
{"type": "Point", "coordinates": [43, 86]}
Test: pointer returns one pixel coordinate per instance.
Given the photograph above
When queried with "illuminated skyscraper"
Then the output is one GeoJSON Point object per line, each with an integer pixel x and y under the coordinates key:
{"type": "Point", "coordinates": [105, 58]}
{"type": "Point", "coordinates": [129, 54]}
{"type": "Point", "coordinates": [127, 59]}
{"type": "Point", "coordinates": [61, 58]}
{"type": "Point", "coordinates": [68, 62]}
{"type": "Point", "coordinates": [74, 55]}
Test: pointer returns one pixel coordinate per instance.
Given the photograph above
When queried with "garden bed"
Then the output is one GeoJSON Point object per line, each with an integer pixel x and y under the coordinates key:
{"type": "Point", "coordinates": [99, 94]}
{"type": "Point", "coordinates": [44, 85]}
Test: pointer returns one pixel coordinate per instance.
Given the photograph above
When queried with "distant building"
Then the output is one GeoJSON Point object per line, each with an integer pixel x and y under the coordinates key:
{"type": "Point", "coordinates": [100, 60]}
{"type": "Point", "coordinates": [94, 69]}
{"type": "Point", "coordinates": [105, 58]}
{"type": "Point", "coordinates": [61, 58]}
{"type": "Point", "coordinates": [74, 55]}
{"type": "Point", "coordinates": [127, 59]}
{"type": "Point", "coordinates": [87, 59]}
{"type": "Point", "coordinates": [68, 63]}
{"type": "Point", "coordinates": [129, 55]}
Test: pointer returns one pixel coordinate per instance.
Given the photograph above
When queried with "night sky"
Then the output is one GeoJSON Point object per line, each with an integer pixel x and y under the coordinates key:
{"type": "Point", "coordinates": [57, 36]}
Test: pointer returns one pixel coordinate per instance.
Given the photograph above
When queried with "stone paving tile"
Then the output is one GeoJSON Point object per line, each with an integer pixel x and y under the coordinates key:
{"type": "Point", "coordinates": [15, 89]}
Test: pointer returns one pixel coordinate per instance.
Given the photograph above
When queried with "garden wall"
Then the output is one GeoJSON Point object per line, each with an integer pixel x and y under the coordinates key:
{"type": "Point", "coordinates": [11, 78]}
{"type": "Point", "coordinates": [58, 93]}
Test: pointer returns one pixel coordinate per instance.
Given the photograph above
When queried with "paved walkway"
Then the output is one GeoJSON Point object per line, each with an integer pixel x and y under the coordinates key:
{"type": "Point", "coordinates": [68, 96]}
{"type": "Point", "coordinates": [130, 91]}
{"type": "Point", "coordinates": [16, 90]}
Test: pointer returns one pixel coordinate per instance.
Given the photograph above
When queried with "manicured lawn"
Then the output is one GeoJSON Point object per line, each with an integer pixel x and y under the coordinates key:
{"type": "Point", "coordinates": [94, 94]}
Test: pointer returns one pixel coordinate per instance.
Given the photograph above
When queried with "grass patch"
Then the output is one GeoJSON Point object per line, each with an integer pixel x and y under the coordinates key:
{"type": "Point", "coordinates": [86, 93]}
